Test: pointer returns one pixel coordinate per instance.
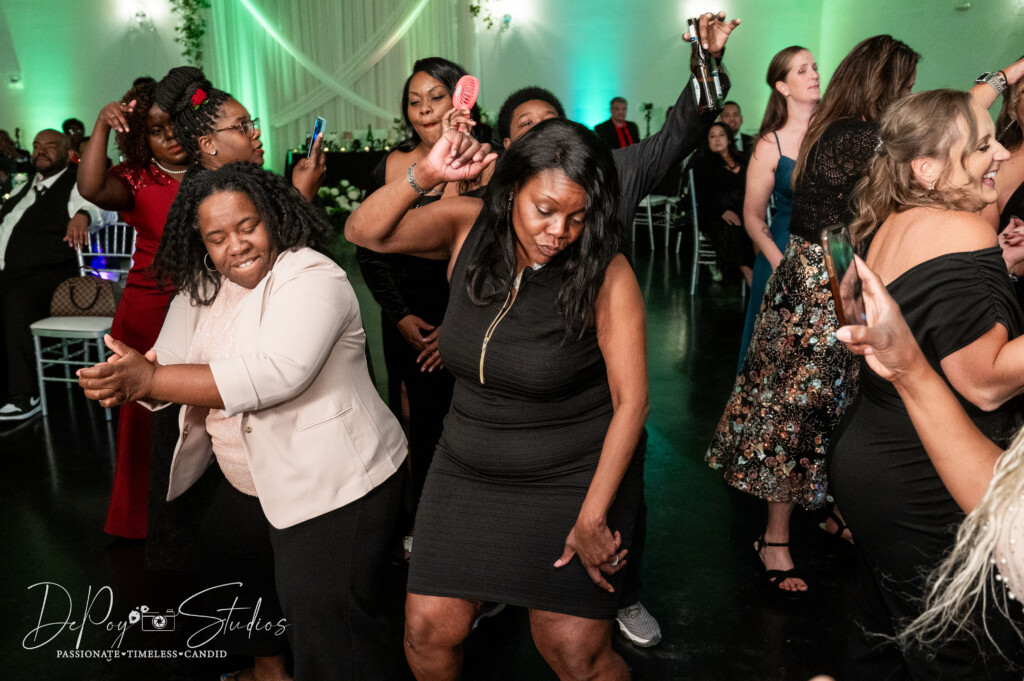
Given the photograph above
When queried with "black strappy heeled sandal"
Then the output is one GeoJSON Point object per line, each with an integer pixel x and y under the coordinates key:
{"type": "Point", "coordinates": [841, 527]}
{"type": "Point", "coordinates": [775, 578]}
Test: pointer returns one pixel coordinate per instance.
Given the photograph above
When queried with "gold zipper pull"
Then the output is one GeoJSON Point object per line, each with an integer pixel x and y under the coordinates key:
{"type": "Point", "coordinates": [505, 307]}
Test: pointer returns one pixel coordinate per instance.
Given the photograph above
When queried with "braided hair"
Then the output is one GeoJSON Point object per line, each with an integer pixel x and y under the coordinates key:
{"type": "Point", "coordinates": [291, 223]}
{"type": "Point", "coordinates": [134, 144]}
{"type": "Point", "coordinates": [174, 95]}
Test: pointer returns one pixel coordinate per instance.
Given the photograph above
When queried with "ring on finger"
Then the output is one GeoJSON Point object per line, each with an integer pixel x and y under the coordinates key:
{"type": "Point", "coordinates": [615, 563]}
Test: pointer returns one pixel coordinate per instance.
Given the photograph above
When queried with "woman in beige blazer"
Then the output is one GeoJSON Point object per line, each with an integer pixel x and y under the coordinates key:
{"type": "Point", "coordinates": [264, 348]}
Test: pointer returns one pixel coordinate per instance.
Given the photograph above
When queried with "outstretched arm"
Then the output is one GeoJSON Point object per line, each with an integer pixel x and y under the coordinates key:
{"type": "Point", "coordinates": [384, 222]}
{"type": "Point", "coordinates": [642, 166]}
{"type": "Point", "coordinates": [986, 95]}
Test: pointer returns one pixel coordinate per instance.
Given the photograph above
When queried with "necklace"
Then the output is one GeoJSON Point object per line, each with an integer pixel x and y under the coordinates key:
{"type": "Point", "coordinates": [169, 172]}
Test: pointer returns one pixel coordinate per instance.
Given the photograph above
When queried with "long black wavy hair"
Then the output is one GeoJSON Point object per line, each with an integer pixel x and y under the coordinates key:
{"type": "Point", "coordinates": [447, 73]}
{"type": "Point", "coordinates": [134, 144]}
{"type": "Point", "coordinates": [174, 95]}
{"type": "Point", "coordinates": [291, 222]}
{"type": "Point", "coordinates": [555, 144]}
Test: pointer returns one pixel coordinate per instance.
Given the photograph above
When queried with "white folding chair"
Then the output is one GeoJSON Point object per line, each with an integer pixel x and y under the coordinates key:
{"type": "Point", "coordinates": [645, 216]}
{"type": "Point", "coordinates": [703, 253]}
{"type": "Point", "coordinates": [108, 250]}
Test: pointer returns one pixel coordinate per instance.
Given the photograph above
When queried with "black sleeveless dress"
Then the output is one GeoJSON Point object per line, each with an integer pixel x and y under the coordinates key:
{"type": "Point", "coordinates": [520, 446]}
{"type": "Point", "coordinates": [903, 518]}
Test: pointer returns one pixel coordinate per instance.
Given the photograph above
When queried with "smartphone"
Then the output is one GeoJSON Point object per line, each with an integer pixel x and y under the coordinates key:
{"type": "Point", "coordinates": [843, 278]}
{"type": "Point", "coordinates": [318, 127]}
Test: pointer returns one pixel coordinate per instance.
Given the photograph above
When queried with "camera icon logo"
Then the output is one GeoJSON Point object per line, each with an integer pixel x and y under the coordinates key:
{"type": "Point", "coordinates": [153, 621]}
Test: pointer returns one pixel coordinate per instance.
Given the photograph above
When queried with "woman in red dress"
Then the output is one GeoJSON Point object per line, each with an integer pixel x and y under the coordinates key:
{"type": "Point", "coordinates": [142, 188]}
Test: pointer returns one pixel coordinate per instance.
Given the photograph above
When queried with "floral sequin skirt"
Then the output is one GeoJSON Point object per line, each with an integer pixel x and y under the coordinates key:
{"type": "Point", "coordinates": [797, 380]}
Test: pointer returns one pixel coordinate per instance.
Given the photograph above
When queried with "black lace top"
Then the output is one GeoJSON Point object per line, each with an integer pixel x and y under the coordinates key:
{"type": "Point", "coordinates": [836, 163]}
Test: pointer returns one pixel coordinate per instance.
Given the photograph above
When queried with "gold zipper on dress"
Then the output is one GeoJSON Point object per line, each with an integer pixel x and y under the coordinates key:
{"type": "Point", "coordinates": [505, 307]}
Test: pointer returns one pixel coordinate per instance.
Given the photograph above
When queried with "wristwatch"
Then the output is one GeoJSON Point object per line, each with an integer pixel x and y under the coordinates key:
{"type": "Point", "coordinates": [996, 79]}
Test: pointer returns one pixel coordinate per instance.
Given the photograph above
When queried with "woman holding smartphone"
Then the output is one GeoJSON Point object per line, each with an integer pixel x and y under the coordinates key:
{"type": "Point", "coordinates": [919, 208]}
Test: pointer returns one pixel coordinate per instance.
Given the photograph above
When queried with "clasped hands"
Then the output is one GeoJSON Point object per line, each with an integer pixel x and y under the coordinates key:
{"type": "Point", "coordinates": [126, 376]}
{"type": "Point", "coordinates": [423, 338]}
{"type": "Point", "coordinates": [598, 548]}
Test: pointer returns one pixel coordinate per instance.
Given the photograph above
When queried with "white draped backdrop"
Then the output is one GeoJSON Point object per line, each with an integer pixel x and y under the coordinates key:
{"type": "Point", "coordinates": [290, 61]}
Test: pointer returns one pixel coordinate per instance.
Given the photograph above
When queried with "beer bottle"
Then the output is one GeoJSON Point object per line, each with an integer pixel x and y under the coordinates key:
{"type": "Point", "coordinates": [705, 72]}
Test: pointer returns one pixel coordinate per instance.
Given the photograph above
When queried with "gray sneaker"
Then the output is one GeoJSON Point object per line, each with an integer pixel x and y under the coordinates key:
{"type": "Point", "coordinates": [638, 625]}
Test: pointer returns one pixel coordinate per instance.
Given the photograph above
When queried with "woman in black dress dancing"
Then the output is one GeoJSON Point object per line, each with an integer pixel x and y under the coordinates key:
{"type": "Point", "coordinates": [919, 208]}
{"type": "Point", "coordinates": [532, 493]}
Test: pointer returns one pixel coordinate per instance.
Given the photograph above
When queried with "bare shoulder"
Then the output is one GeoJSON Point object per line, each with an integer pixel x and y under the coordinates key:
{"type": "Point", "coordinates": [765, 151]}
{"type": "Point", "coordinates": [763, 161]}
{"type": "Point", "coordinates": [619, 267]}
{"type": "Point", "coordinates": [620, 285]}
{"type": "Point", "coordinates": [963, 231]}
{"type": "Point", "coordinates": [398, 163]}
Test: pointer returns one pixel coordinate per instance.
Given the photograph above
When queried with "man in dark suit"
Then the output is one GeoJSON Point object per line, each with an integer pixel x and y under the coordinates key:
{"type": "Point", "coordinates": [40, 227]}
{"type": "Point", "coordinates": [733, 117]}
{"type": "Point", "coordinates": [617, 132]}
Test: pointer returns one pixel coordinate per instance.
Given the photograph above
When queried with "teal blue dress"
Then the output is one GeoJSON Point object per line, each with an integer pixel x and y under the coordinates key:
{"type": "Point", "coordinates": [783, 195]}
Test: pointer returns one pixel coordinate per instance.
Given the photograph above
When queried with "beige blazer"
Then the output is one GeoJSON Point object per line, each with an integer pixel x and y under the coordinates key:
{"type": "Point", "coordinates": [314, 430]}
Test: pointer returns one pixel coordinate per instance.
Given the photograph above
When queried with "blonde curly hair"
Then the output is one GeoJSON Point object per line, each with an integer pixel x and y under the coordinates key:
{"type": "Point", "coordinates": [925, 124]}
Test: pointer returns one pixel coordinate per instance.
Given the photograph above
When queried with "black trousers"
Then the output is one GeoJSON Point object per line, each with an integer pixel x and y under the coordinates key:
{"type": "Point", "coordinates": [235, 540]}
{"type": "Point", "coordinates": [330, 578]}
{"type": "Point", "coordinates": [24, 299]}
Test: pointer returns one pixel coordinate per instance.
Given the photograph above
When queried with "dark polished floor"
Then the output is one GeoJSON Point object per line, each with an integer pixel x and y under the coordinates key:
{"type": "Point", "coordinates": [700, 575]}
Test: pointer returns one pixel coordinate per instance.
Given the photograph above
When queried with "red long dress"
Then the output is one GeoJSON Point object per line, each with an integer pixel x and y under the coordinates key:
{"type": "Point", "coordinates": [137, 322]}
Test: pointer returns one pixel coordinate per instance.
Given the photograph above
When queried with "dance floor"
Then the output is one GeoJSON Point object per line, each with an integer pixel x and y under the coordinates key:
{"type": "Point", "coordinates": [62, 574]}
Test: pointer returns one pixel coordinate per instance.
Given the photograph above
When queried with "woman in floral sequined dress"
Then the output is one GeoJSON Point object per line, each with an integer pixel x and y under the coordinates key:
{"type": "Point", "coordinates": [797, 378]}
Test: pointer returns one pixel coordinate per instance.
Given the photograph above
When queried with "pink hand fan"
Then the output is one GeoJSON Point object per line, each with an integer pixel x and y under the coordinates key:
{"type": "Point", "coordinates": [465, 93]}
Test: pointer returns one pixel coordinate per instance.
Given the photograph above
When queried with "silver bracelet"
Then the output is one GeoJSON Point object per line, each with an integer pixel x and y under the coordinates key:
{"type": "Point", "coordinates": [412, 183]}
{"type": "Point", "coordinates": [996, 79]}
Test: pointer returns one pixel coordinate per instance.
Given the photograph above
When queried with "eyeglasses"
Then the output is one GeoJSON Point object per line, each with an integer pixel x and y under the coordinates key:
{"type": "Point", "coordinates": [247, 128]}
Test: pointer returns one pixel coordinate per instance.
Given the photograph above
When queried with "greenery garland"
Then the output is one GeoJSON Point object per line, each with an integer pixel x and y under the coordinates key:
{"type": "Point", "coordinates": [476, 7]}
{"type": "Point", "coordinates": [191, 28]}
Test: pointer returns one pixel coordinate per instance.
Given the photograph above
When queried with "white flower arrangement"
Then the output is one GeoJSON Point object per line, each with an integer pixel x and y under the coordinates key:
{"type": "Point", "coordinates": [339, 201]}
